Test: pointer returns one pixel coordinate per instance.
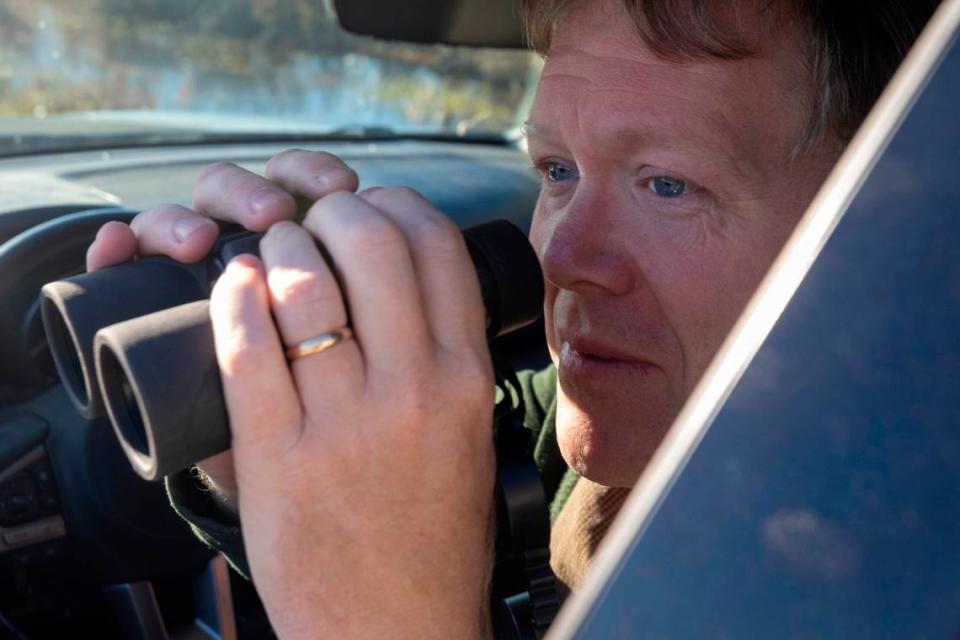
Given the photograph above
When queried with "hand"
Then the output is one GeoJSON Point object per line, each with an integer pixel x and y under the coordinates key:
{"type": "Point", "coordinates": [226, 192]}
{"type": "Point", "coordinates": [365, 472]}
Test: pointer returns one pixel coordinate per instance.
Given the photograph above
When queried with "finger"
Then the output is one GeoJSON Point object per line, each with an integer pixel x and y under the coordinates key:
{"type": "Point", "coordinates": [311, 174]}
{"type": "Point", "coordinates": [381, 284]}
{"type": "Point", "coordinates": [262, 403]}
{"type": "Point", "coordinates": [175, 231]}
{"type": "Point", "coordinates": [307, 302]}
{"type": "Point", "coordinates": [115, 243]}
{"type": "Point", "coordinates": [226, 192]}
{"type": "Point", "coordinates": [448, 278]}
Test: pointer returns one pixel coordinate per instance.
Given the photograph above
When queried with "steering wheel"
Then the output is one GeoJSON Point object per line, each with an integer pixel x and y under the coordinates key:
{"type": "Point", "coordinates": [46, 252]}
{"type": "Point", "coordinates": [118, 526]}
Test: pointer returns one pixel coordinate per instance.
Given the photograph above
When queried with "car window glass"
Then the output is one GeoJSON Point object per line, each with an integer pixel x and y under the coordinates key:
{"type": "Point", "coordinates": [74, 67]}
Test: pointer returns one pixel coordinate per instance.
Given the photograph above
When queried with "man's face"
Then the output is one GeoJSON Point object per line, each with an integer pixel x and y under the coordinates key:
{"type": "Point", "coordinates": [668, 190]}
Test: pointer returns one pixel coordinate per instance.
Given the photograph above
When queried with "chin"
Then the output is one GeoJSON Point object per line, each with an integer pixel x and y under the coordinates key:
{"type": "Point", "coordinates": [611, 449]}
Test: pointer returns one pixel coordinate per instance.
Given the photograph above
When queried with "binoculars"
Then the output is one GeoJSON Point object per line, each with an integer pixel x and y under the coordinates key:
{"type": "Point", "coordinates": [135, 342]}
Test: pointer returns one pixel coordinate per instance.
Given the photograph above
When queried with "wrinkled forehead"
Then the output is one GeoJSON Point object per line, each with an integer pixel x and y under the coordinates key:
{"type": "Point", "coordinates": [746, 25]}
{"type": "Point", "coordinates": [600, 74]}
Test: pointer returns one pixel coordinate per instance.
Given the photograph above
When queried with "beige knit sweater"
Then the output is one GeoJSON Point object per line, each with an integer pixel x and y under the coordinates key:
{"type": "Point", "coordinates": [579, 528]}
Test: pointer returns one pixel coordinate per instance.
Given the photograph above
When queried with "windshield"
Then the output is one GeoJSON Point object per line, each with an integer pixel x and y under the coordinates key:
{"type": "Point", "coordinates": [79, 73]}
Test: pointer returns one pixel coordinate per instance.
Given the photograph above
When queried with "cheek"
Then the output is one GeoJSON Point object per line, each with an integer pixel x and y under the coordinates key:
{"type": "Point", "coordinates": [704, 290]}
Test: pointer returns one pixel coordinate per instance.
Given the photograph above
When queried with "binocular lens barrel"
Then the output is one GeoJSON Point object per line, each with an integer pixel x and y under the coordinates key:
{"type": "Point", "coordinates": [74, 309]}
{"type": "Point", "coordinates": [161, 387]}
{"type": "Point", "coordinates": [66, 347]}
{"type": "Point", "coordinates": [152, 349]}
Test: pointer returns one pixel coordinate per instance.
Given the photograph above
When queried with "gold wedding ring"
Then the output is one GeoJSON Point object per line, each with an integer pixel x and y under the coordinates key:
{"type": "Point", "coordinates": [321, 343]}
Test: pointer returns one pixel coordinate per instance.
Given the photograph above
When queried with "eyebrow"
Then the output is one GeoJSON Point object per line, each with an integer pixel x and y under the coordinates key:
{"type": "Point", "coordinates": [647, 137]}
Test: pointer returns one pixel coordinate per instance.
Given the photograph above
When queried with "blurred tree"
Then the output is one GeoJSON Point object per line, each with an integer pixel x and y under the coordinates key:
{"type": "Point", "coordinates": [255, 56]}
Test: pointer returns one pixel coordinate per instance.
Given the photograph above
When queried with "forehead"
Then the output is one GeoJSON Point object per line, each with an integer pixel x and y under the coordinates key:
{"type": "Point", "coordinates": [601, 78]}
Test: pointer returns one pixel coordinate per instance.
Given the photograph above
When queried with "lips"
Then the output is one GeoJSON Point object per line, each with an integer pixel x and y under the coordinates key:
{"type": "Point", "coordinates": [589, 359]}
{"type": "Point", "coordinates": [596, 349]}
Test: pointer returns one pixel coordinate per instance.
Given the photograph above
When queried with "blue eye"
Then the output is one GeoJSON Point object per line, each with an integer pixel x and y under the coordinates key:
{"type": "Point", "coordinates": [558, 173]}
{"type": "Point", "coordinates": [667, 187]}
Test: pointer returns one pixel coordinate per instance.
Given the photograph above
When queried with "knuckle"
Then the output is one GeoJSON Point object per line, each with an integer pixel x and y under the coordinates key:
{"type": "Point", "coordinates": [215, 169]}
{"type": "Point", "coordinates": [373, 234]}
{"type": "Point", "coordinates": [282, 158]}
{"type": "Point", "coordinates": [323, 160]}
{"type": "Point", "coordinates": [439, 236]}
{"type": "Point", "coordinates": [280, 231]}
{"type": "Point", "coordinates": [386, 197]}
{"type": "Point", "coordinates": [249, 187]}
{"type": "Point", "coordinates": [377, 197]}
{"type": "Point", "coordinates": [293, 162]}
{"type": "Point", "coordinates": [300, 288]}
{"type": "Point", "coordinates": [160, 215]}
{"type": "Point", "coordinates": [241, 353]}
{"type": "Point", "coordinates": [232, 286]}
{"type": "Point", "coordinates": [279, 238]}
{"type": "Point", "coordinates": [240, 349]}
{"type": "Point", "coordinates": [142, 219]}
{"type": "Point", "coordinates": [408, 194]}
{"type": "Point", "coordinates": [287, 164]}
{"type": "Point", "coordinates": [336, 201]}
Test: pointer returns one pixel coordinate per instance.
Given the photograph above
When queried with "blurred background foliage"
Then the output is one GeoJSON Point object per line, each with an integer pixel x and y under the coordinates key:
{"type": "Point", "coordinates": [278, 58]}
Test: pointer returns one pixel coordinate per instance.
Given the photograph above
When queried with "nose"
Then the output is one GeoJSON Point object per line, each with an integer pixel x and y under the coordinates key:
{"type": "Point", "coordinates": [581, 246]}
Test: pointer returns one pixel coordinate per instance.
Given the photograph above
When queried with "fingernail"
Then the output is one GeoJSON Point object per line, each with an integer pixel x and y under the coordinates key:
{"type": "Point", "coordinates": [333, 176]}
{"type": "Point", "coordinates": [267, 201]}
{"type": "Point", "coordinates": [184, 227]}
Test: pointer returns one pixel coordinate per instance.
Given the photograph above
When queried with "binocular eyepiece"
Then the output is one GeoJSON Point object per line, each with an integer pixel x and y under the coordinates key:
{"type": "Point", "coordinates": [134, 341]}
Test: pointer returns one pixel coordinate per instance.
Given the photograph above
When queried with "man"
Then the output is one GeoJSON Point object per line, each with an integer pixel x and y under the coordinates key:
{"type": "Point", "coordinates": [679, 143]}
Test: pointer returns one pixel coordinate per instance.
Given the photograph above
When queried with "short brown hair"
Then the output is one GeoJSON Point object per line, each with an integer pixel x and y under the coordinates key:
{"type": "Point", "coordinates": [854, 45]}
